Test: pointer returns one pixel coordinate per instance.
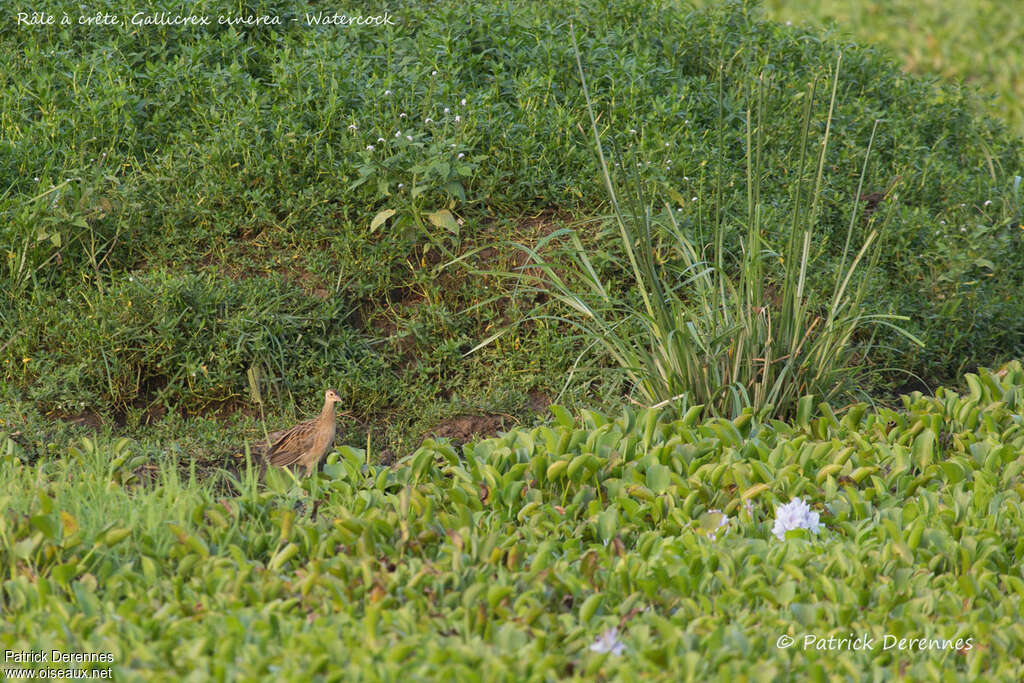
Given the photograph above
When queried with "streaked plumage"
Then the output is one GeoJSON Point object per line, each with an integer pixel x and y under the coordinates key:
{"type": "Point", "coordinates": [307, 442]}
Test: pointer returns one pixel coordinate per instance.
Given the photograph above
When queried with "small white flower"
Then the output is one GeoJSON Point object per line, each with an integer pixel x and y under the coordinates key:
{"type": "Point", "coordinates": [461, 155]}
{"type": "Point", "coordinates": [789, 23]}
{"type": "Point", "coordinates": [37, 179]}
{"type": "Point", "coordinates": [380, 140]}
{"type": "Point", "coordinates": [723, 522]}
{"type": "Point", "coordinates": [608, 642]}
{"type": "Point", "coordinates": [678, 210]}
{"type": "Point", "coordinates": [962, 205]}
{"type": "Point", "coordinates": [942, 222]}
{"type": "Point", "coordinates": [428, 120]}
{"type": "Point", "coordinates": [463, 102]}
{"type": "Point", "coordinates": [632, 131]}
{"type": "Point", "coordinates": [963, 229]}
{"type": "Point", "coordinates": [352, 127]}
{"type": "Point", "coordinates": [694, 199]}
{"type": "Point", "coordinates": [401, 185]}
{"type": "Point", "coordinates": [987, 202]}
{"type": "Point", "coordinates": [446, 110]}
{"type": "Point", "coordinates": [686, 178]}
{"type": "Point", "coordinates": [434, 72]}
{"type": "Point", "coordinates": [666, 144]}
{"type": "Point", "coordinates": [402, 115]}
{"type": "Point", "coordinates": [795, 514]}
{"type": "Point", "coordinates": [408, 137]}
{"type": "Point", "coordinates": [398, 133]}
{"type": "Point", "coordinates": [369, 148]}
{"type": "Point", "coordinates": [457, 118]}
{"type": "Point", "coordinates": [387, 93]}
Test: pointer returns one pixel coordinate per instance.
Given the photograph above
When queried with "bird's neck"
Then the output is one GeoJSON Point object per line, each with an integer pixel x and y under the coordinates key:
{"type": "Point", "coordinates": [328, 412]}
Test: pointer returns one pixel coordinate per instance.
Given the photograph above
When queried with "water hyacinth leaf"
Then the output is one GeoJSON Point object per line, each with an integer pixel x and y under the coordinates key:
{"type": "Point", "coordinates": [607, 524]}
{"type": "Point", "coordinates": [114, 536]}
{"type": "Point", "coordinates": [64, 573]}
{"type": "Point", "coordinates": [562, 416]}
{"type": "Point", "coordinates": [923, 451]}
{"type": "Point", "coordinates": [659, 478]}
{"type": "Point", "coordinates": [556, 470]}
{"type": "Point", "coordinates": [804, 411]}
{"type": "Point", "coordinates": [589, 607]}
{"type": "Point", "coordinates": [47, 525]}
{"type": "Point", "coordinates": [577, 467]}
{"type": "Point", "coordinates": [24, 548]}
{"type": "Point", "coordinates": [754, 491]}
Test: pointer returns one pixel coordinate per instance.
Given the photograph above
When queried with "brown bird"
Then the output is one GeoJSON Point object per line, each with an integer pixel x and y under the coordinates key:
{"type": "Point", "coordinates": [307, 442]}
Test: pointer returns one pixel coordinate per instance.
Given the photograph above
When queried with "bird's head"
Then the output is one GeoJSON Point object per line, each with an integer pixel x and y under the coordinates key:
{"type": "Point", "coordinates": [331, 396]}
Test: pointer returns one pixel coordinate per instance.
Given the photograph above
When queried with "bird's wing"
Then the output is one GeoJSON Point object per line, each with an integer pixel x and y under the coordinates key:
{"type": "Point", "coordinates": [295, 443]}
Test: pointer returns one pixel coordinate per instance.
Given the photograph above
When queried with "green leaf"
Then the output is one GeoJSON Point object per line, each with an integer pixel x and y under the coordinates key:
{"type": "Point", "coordinates": [381, 218]}
{"type": "Point", "coordinates": [589, 606]}
{"type": "Point", "coordinates": [443, 218]}
{"type": "Point", "coordinates": [607, 524]}
{"type": "Point", "coordinates": [562, 416]}
{"type": "Point", "coordinates": [658, 478]}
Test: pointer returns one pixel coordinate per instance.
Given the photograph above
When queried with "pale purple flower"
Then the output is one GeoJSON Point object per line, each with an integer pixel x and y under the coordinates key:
{"type": "Point", "coordinates": [352, 127]}
{"type": "Point", "coordinates": [369, 148]}
{"type": "Point", "coordinates": [795, 514]}
{"type": "Point", "coordinates": [457, 118]}
{"type": "Point", "coordinates": [723, 522]}
{"type": "Point", "coordinates": [608, 642]}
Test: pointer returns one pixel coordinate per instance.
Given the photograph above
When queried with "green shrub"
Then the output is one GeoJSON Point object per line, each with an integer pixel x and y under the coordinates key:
{"type": "Point", "coordinates": [163, 338]}
{"type": "Point", "coordinates": [708, 331]}
{"type": "Point", "coordinates": [204, 139]}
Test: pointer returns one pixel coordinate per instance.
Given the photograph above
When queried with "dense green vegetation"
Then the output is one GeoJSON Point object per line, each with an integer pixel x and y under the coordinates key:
{"type": "Point", "coordinates": [202, 228]}
{"type": "Point", "coordinates": [508, 559]}
{"type": "Point", "coordinates": [973, 42]}
{"type": "Point", "coordinates": [214, 188]}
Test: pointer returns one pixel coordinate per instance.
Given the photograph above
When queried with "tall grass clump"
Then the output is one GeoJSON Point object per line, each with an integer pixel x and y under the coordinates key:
{"type": "Point", "coordinates": [715, 325]}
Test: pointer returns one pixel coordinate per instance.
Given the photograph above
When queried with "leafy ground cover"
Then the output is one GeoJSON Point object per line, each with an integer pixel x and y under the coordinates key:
{"type": "Point", "coordinates": [510, 559]}
{"type": "Point", "coordinates": [971, 42]}
{"type": "Point", "coordinates": [201, 228]}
